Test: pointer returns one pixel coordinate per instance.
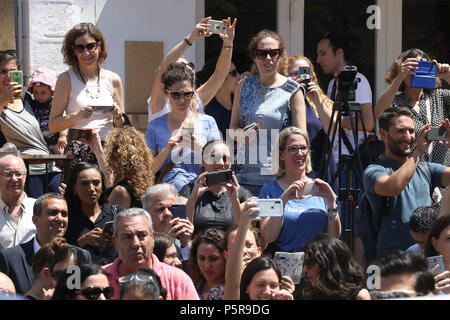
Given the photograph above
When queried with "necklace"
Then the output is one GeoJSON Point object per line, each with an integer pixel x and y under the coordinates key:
{"type": "Point", "coordinates": [90, 92]}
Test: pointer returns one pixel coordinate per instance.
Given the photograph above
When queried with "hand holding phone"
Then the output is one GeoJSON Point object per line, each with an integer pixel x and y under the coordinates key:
{"type": "Point", "coordinates": [304, 76]}
{"type": "Point", "coordinates": [269, 207]}
{"type": "Point", "coordinates": [17, 76]}
{"type": "Point", "coordinates": [82, 135]}
{"type": "Point", "coordinates": [436, 260]}
{"type": "Point", "coordinates": [437, 134]}
{"type": "Point", "coordinates": [310, 188]}
{"type": "Point", "coordinates": [109, 227]}
{"type": "Point", "coordinates": [218, 177]}
{"type": "Point", "coordinates": [178, 211]}
{"type": "Point", "coordinates": [217, 26]}
{"type": "Point", "coordinates": [290, 264]}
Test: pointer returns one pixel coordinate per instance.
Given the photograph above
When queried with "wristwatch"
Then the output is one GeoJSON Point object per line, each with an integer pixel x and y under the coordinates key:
{"type": "Point", "coordinates": [331, 213]}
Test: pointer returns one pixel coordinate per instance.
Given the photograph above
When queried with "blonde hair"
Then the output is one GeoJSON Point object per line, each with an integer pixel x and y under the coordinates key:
{"type": "Point", "coordinates": [128, 157]}
{"type": "Point", "coordinates": [323, 97]}
{"type": "Point", "coordinates": [281, 145]}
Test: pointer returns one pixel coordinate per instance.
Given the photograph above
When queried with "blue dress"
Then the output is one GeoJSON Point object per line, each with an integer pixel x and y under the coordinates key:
{"type": "Point", "coordinates": [268, 106]}
{"type": "Point", "coordinates": [187, 168]}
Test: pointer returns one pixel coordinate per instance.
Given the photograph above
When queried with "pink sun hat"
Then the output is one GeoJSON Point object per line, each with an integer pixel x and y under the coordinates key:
{"type": "Point", "coordinates": [43, 76]}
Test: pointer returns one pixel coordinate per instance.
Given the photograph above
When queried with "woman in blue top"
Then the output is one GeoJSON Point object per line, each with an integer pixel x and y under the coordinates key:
{"type": "Point", "coordinates": [305, 215]}
{"type": "Point", "coordinates": [176, 138]}
{"type": "Point", "coordinates": [270, 99]}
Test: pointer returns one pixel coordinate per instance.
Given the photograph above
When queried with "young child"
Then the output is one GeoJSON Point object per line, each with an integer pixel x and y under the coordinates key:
{"type": "Point", "coordinates": [42, 86]}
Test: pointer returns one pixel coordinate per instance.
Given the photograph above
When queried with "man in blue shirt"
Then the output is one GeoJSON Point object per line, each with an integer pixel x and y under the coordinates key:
{"type": "Point", "coordinates": [400, 178]}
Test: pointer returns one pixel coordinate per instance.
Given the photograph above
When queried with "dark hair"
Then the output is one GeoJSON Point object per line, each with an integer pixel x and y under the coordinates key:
{"type": "Point", "coordinates": [340, 276]}
{"type": "Point", "coordinates": [206, 72]}
{"type": "Point", "coordinates": [80, 29]}
{"type": "Point", "coordinates": [7, 56]}
{"type": "Point", "coordinates": [62, 292]}
{"type": "Point", "coordinates": [337, 42]}
{"type": "Point", "coordinates": [208, 236]}
{"type": "Point", "coordinates": [252, 229]}
{"type": "Point", "coordinates": [161, 244]}
{"type": "Point", "coordinates": [54, 252]}
{"type": "Point", "coordinates": [177, 72]}
{"type": "Point", "coordinates": [37, 207]}
{"type": "Point", "coordinates": [385, 120]}
{"type": "Point", "coordinates": [423, 218]}
{"type": "Point", "coordinates": [253, 46]}
{"type": "Point", "coordinates": [255, 266]}
{"type": "Point", "coordinates": [439, 225]}
{"type": "Point", "coordinates": [399, 263]}
{"type": "Point", "coordinates": [393, 70]}
{"type": "Point", "coordinates": [73, 202]}
{"type": "Point", "coordinates": [151, 289]}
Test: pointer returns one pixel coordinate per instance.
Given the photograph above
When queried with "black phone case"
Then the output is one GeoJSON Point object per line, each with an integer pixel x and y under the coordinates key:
{"type": "Point", "coordinates": [178, 211]}
{"type": "Point", "coordinates": [218, 177]}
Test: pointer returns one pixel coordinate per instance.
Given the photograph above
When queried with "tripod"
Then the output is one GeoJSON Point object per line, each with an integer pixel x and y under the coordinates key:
{"type": "Point", "coordinates": [349, 165]}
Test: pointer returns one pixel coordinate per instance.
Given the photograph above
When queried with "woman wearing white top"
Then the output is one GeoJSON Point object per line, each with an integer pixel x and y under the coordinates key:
{"type": "Point", "coordinates": [86, 84]}
{"type": "Point", "coordinates": [158, 102]}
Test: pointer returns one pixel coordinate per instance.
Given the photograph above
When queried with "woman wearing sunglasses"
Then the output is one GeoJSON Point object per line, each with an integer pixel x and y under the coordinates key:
{"type": "Point", "coordinates": [86, 85]}
{"type": "Point", "coordinates": [212, 206]}
{"type": "Point", "coordinates": [176, 138]}
{"type": "Point", "coordinates": [269, 99]}
{"type": "Point", "coordinates": [310, 206]}
{"type": "Point", "coordinates": [94, 284]}
{"type": "Point", "coordinates": [158, 104]}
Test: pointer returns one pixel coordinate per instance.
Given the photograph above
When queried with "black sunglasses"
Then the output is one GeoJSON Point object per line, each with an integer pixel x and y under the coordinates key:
{"type": "Point", "coordinates": [233, 73]}
{"type": "Point", "coordinates": [93, 293]}
{"type": "Point", "coordinates": [178, 94]}
{"type": "Point", "coordinates": [262, 54]}
{"type": "Point", "coordinates": [189, 64]}
{"type": "Point", "coordinates": [79, 48]}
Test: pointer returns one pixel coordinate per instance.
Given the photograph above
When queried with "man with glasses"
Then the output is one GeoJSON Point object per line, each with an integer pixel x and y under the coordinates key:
{"type": "Point", "coordinates": [134, 241]}
{"type": "Point", "coordinates": [50, 217]}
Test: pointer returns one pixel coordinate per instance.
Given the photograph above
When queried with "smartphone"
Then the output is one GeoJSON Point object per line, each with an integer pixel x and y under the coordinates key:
{"type": "Point", "coordinates": [309, 188]}
{"type": "Point", "coordinates": [82, 135]}
{"type": "Point", "coordinates": [304, 74]}
{"type": "Point", "coordinates": [217, 26]}
{"type": "Point", "coordinates": [178, 211]}
{"type": "Point", "coordinates": [218, 177]}
{"type": "Point", "coordinates": [109, 227]}
{"type": "Point", "coordinates": [17, 76]}
{"type": "Point", "coordinates": [253, 125]}
{"type": "Point", "coordinates": [102, 109]}
{"type": "Point", "coordinates": [269, 207]}
{"type": "Point", "coordinates": [425, 75]}
{"type": "Point", "coordinates": [290, 264]}
{"type": "Point", "coordinates": [432, 261]}
{"type": "Point", "coordinates": [437, 134]}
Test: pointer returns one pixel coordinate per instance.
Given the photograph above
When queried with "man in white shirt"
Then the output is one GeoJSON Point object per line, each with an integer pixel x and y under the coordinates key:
{"type": "Point", "coordinates": [16, 209]}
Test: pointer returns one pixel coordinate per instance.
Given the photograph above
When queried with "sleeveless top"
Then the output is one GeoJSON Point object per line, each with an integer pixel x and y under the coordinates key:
{"type": "Point", "coordinates": [82, 95]}
{"type": "Point", "coordinates": [269, 106]}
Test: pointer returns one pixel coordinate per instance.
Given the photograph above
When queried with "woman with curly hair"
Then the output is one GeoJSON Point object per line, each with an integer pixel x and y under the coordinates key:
{"type": "Point", "coordinates": [206, 264]}
{"type": "Point", "coordinates": [331, 272]}
{"type": "Point", "coordinates": [129, 163]}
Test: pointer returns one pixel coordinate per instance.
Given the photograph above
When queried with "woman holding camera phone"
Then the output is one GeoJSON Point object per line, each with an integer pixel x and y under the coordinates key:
{"type": "Point", "coordinates": [86, 84]}
{"type": "Point", "coordinates": [214, 205]}
{"type": "Point", "coordinates": [427, 105]}
{"type": "Point", "coordinates": [305, 215]}
{"type": "Point", "coordinates": [270, 99]}
{"type": "Point", "coordinates": [158, 104]}
{"type": "Point", "coordinates": [20, 127]}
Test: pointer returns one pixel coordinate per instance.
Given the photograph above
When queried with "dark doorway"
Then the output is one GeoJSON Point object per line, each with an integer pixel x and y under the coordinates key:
{"type": "Point", "coordinates": [252, 16]}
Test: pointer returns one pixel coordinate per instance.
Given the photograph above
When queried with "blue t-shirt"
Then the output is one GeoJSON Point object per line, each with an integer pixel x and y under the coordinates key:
{"type": "Point", "coordinates": [187, 167]}
{"type": "Point", "coordinates": [303, 219]}
{"type": "Point", "coordinates": [394, 232]}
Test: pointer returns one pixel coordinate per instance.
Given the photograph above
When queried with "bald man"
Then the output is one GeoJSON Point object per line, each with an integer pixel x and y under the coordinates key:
{"type": "Point", "coordinates": [16, 209]}
{"type": "Point", "coordinates": [6, 285]}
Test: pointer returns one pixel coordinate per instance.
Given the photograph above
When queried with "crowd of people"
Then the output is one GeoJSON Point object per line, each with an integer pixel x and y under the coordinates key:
{"type": "Point", "coordinates": [227, 178]}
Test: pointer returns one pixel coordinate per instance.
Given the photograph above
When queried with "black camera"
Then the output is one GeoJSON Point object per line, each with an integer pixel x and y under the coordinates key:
{"type": "Point", "coordinates": [347, 84]}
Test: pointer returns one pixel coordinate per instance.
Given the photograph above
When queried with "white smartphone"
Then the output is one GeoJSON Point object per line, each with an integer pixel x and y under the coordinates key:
{"type": "Point", "coordinates": [269, 207]}
{"type": "Point", "coordinates": [432, 261]}
{"type": "Point", "coordinates": [290, 264]}
{"type": "Point", "coordinates": [308, 189]}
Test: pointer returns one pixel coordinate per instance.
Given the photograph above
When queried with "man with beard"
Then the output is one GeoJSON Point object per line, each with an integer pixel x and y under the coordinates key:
{"type": "Point", "coordinates": [401, 179]}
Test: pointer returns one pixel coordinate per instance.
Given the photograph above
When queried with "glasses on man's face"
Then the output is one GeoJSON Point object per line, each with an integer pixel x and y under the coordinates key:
{"type": "Point", "coordinates": [189, 64]}
{"type": "Point", "coordinates": [233, 73]}
{"type": "Point", "coordinates": [178, 94]}
{"type": "Point", "coordinates": [262, 54]}
{"type": "Point", "coordinates": [79, 48]}
{"type": "Point", "coordinates": [295, 149]}
{"type": "Point", "coordinates": [93, 293]}
{"type": "Point", "coordinates": [10, 174]}
{"type": "Point", "coordinates": [139, 277]}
